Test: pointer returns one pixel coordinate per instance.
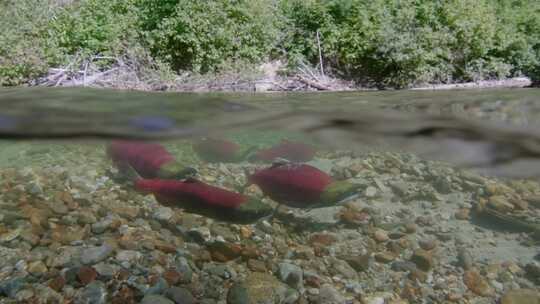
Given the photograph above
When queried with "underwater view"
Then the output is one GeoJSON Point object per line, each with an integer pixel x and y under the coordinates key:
{"type": "Point", "coordinates": [331, 198]}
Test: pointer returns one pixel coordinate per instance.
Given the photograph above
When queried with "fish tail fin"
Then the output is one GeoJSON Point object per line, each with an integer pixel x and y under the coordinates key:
{"type": "Point", "coordinates": [250, 154]}
{"type": "Point", "coordinates": [131, 174]}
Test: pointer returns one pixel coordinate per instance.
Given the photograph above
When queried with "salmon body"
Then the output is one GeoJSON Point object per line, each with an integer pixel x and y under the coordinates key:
{"type": "Point", "coordinates": [291, 184]}
{"type": "Point", "coordinates": [216, 150]}
{"type": "Point", "coordinates": [199, 198]}
{"type": "Point", "coordinates": [190, 191]}
{"type": "Point", "coordinates": [146, 158]}
{"type": "Point", "coordinates": [292, 151]}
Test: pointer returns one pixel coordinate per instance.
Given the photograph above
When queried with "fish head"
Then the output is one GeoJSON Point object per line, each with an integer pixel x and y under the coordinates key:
{"type": "Point", "coordinates": [175, 170]}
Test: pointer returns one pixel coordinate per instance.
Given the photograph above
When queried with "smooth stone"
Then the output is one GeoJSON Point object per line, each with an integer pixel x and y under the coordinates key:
{"type": "Point", "coordinates": [182, 266]}
{"type": "Point", "coordinates": [359, 263]}
{"type": "Point", "coordinates": [158, 288]}
{"type": "Point", "coordinates": [521, 296]}
{"type": "Point", "coordinates": [128, 256]}
{"type": "Point", "coordinates": [163, 214]}
{"type": "Point", "coordinates": [37, 268]}
{"type": "Point", "coordinates": [264, 287]}
{"type": "Point", "coordinates": [93, 293]}
{"type": "Point", "coordinates": [95, 255]}
{"type": "Point", "coordinates": [329, 295]}
{"type": "Point", "coordinates": [155, 299]}
{"type": "Point", "coordinates": [238, 294]}
{"type": "Point", "coordinates": [12, 286]}
{"type": "Point", "coordinates": [423, 259]}
{"type": "Point", "coordinates": [403, 266]}
{"type": "Point", "coordinates": [291, 274]}
{"type": "Point", "coordinates": [180, 295]}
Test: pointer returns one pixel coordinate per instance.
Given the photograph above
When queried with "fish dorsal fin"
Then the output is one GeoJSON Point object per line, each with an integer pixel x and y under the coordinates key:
{"type": "Point", "coordinates": [278, 162]}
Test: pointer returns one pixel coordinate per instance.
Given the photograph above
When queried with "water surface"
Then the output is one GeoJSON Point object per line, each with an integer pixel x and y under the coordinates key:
{"type": "Point", "coordinates": [444, 207]}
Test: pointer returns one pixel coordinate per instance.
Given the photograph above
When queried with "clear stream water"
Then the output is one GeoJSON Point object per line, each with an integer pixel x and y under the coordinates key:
{"type": "Point", "coordinates": [444, 206]}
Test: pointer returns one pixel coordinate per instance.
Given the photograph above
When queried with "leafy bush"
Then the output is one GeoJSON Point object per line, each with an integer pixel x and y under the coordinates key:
{"type": "Point", "coordinates": [396, 43]}
{"type": "Point", "coordinates": [92, 27]}
{"type": "Point", "coordinates": [403, 42]}
{"type": "Point", "coordinates": [25, 52]}
{"type": "Point", "coordinates": [200, 35]}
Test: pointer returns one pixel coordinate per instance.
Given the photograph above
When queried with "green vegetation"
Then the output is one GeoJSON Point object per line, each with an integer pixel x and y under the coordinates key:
{"type": "Point", "coordinates": [383, 43]}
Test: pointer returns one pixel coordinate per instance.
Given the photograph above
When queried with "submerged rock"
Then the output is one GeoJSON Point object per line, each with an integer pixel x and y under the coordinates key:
{"type": "Point", "coordinates": [93, 293]}
{"type": "Point", "coordinates": [95, 255]}
{"type": "Point", "coordinates": [155, 299]}
{"type": "Point", "coordinates": [521, 296]}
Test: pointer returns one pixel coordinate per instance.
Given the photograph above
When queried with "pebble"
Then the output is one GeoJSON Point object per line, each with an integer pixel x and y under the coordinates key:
{"type": "Point", "coordinates": [262, 286]}
{"type": "Point", "coordinates": [380, 236]}
{"type": "Point", "coordinates": [427, 244]}
{"type": "Point", "coordinates": [37, 268]}
{"type": "Point", "coordinates": [87, 275]}
{"type": "Point", "coordinates": [155, 299]}
{"type": "Point", "coordinates": [403, 266]}
{"type": "Point", "coordinates": [94, 293]}
{"type": "Point", "coordinates": [329, 295]}
{"type": "Point", "coordinates": [291, 274]}
{"type": "Point", "coordinates": [57, 283]}
{"type": "Point", "coordinates": [360, 262]}
{"type": "Point", "coordinates": [238, 294]}
{"type": "Point", "coordinates": [462, 214]}
{"type": "Point", "coordinates": [256, 265]}
{"type": "Point", "coordinates": [465, 258]}
{"type": "Point", "coordinates": [95, 255]}
{"type": "Point", "coordinates": [521, 296]}
{"type": "Point", "coordinates": [371, 192]}
{"type": "Point", "coordinates": [163, 214]}
{"type": "Point", "coordinates": [130, 256]}
{"type": "Point", "coordinates": [500, 203]}
{"type": "Point", "coordinates": [384, 257]}
{"type": "Point", "coordinates": [423, 259]}
{"type": "Point", "coordinates": [180, 295]}
{"type": "Point", "coordinates": [476, 283]}
{"type": "Point", "coordinates": [12, 286]}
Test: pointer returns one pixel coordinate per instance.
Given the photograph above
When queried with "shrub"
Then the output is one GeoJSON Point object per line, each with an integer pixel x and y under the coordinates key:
{"type": "Point", "coordinates": [200, 35]}
{"type": "Point", "coordinates": [92, 27]}
{"type": "Point", "coordinates": [25, 52]}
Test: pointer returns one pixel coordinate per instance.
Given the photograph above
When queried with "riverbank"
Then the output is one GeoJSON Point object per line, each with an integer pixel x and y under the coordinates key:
{"type": "Point", "coordinates": [269, 77]}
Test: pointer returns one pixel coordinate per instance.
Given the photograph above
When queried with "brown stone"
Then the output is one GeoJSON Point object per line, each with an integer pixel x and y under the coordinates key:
{"type": "Point", "coordinates": [224, 251]}
{"type": "Point", "coordinates": [57, 283]}
{"type": "Point", "coordinates": [500, 203]}
{"type": "Point", "coordinates": [256, 265]}
{"type": "Point", "coordinates": [427, 244]}
{"type": "Point", "coordinates": [124, 296]}
{"type": "Point", "coordinates": [359, 262]}
{"type": "Point", "coordinates": [521, 296]}
{"type": "Point", "coordinates": [410, 228]}
{"type": "Point", "coordinates": [87, 274]}
{"type": "Point", "coordinates": [122, 274]}
{"type": "Point", "coordinates": [380, 236]}
{"type": "Point", "coordinates": [246, 232]}
{"type": "Point", "coordinates": [423, 259]}
{"type": "Point", "coordinates": [323, 239]}
{"type": "Point", "coordinates": [37, 268]}
{"type": "Point", "coordinates": [462, 214]}
{"type": "Point", "coordinates": [454, 297]}
{"type": "Point", "coordinates": [165, 247]}
{"type": "Point", "coordinates": [250, 252]}
{"type": "Point", "coordinates": [419, 275]}
{"type": "Point", "coordinates": [476, 283]}
{"type": "Point", "coordinates": [172, 276]}
{"type": "Point", "coordinates": [384, 257]}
